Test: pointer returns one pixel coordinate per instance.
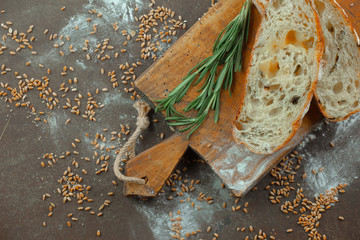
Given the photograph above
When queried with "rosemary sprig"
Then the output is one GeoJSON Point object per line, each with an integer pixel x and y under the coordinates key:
{"type": "Point", "coordinates": [227, 51]}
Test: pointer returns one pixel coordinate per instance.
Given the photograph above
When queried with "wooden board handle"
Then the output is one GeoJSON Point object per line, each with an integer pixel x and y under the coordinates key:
{"type": "Point", "coordinates": [155, 165]}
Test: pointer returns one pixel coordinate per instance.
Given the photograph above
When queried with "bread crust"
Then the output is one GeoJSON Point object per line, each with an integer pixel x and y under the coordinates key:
{"type": "Point", "coordinates": [296, 124]}
{"type": "Point", "coordinates": [356, 36]}
{"type": "Point", "coordinates": [260, 6]}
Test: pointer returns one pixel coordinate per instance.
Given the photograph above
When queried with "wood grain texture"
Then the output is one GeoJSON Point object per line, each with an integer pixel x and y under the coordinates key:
{"type": "Point", "coordinates": [352, 8]}
{"type": "Point", "coordinates": [235, 165]}
{"type": "Point", "coordinates": [155, 165]}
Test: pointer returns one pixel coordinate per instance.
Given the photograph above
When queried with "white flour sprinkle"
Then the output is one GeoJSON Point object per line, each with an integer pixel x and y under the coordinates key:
{"type": "Point", "coordinates": [344, 126]}
{"type": "Point", "coordinates": [113, 11]}
{"type": "Point", "coordinates": [306, 140]}
{"type": "Point", "coordinates": [81, 64]}
{"type": "Point", "coordinates": [231, 168]}
{"type": "Point", "coordinates": [122, 9]}
{"type": "Point", "coordinates": [77, 37]}
{"type": "Point", "coordinates": [116, 100]}
{"type": "Point", "coordinates": [160, 222]}
{"type": "Point", "coordinates": [55, 121]}
{"type": "Point", "coordinates": [340, 162]}
{"type": "Point", "coordinates": [55, 124]}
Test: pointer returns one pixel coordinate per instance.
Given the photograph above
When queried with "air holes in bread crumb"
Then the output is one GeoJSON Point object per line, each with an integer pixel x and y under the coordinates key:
{"type": "Point", "coordinates": [270, 68]}
{"type": "Point", "coordinates": [357, 83]}
{"type": "Point", "coordinates": [270, 102]}
{"type": "Point", "coordinates": [338, 88]}
{"type": "Point", "coordinates": [295, 100]}
{"type": "Point", "coordinates": [342, 102]}
{"type": "Point", "coordinates": [273, 87]}
{"type": "Point", "coordinates": [349, 89]}
{"type": "Point", "coordinates": [320, 6]}
{"type": "Point", "coordinates": [278, 4]}
{"type": "Point", "coordinates": [330, 27]}
{"type": "Point", "coordinates": [274, 112]}
{"type": "Point", "coordinates": [298, 70]}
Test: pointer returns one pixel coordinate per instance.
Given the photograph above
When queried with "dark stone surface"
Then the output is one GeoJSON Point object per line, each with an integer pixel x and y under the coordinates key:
{"type": "Point", "coordinates": [23, 181]}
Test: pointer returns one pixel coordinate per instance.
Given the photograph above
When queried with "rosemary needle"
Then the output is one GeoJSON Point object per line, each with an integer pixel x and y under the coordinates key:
{"type": "Point", "coordinates": [227, 51]}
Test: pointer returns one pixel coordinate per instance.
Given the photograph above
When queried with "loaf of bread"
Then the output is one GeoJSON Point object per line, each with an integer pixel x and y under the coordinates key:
{"type": "Point", "coordinates": [282, 76]}
{"type": "Point", "coordinates": [338, 88]}
{"type": "Point", "coordinates": [260, 5]}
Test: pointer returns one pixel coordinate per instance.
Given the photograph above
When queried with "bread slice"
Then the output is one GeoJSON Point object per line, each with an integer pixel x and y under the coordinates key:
{"type": "Point", "coordinates": [260, 5]}
{"type": "Point", "coordinates": [338, 88]}
{"type": "Point", "coordinates": [282, 76]}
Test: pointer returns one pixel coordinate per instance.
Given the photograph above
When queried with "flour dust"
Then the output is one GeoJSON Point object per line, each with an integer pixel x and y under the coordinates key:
{"type": "Point", "coordinates": [340, 163]}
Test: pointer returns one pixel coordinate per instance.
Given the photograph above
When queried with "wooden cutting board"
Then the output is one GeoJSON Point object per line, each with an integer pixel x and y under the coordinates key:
{"type": "Point", "coordinates": [234, 164]}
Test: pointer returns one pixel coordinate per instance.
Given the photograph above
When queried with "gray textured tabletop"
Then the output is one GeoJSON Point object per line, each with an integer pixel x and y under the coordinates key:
{"type": "Point", "coordinates": [26, 142]}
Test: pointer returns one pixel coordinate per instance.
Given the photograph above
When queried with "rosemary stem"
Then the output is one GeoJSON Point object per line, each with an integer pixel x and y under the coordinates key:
{"type": "Point", "coordinates": [227, 51]}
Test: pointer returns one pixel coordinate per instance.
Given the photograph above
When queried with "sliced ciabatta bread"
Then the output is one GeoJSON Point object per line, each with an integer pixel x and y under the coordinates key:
{"type": "Point", "coordinates": [260, 5]}
{"type": "Point", "coordinates": [338, 89]}
{"type": "Point", "coordinates": [282, 75]}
